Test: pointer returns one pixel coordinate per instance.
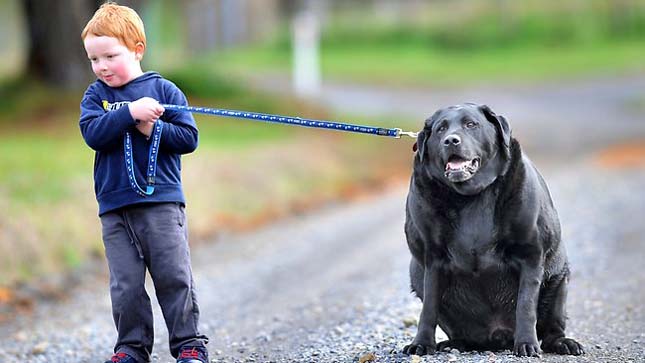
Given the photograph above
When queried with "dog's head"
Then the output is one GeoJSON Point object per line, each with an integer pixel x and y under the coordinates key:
{"type": "Point", "coordinates": [465, 147]}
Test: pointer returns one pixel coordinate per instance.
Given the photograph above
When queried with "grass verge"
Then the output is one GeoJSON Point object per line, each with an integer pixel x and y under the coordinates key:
{"type": "Point", "coordinates": [416, 65]}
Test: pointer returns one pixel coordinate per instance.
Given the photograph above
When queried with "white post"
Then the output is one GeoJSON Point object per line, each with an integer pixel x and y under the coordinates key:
{"type": "Point", "coordinates": [306, 63]}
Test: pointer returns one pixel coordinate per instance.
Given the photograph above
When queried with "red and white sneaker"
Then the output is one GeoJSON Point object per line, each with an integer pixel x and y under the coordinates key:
{"type": "Point", "coordinates": [121, 358]}
{"type": "Point", "coordinates": [193, 355]}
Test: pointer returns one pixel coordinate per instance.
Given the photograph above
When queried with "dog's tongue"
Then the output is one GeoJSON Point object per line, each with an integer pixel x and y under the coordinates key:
{"type": "Point", "coordinates": [456, 165]}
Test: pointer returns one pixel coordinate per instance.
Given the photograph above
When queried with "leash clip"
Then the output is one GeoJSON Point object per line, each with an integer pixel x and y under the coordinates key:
{"type": "Point", "coordinates": [400, 132]}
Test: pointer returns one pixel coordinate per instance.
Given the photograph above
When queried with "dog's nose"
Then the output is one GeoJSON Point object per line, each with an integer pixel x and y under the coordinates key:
{"type": "Point", "coordinates": [452, 140]}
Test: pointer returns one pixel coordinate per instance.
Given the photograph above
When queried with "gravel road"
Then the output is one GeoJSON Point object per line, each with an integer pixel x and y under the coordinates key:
{"type": "Point", "coordinates": [332, 285]}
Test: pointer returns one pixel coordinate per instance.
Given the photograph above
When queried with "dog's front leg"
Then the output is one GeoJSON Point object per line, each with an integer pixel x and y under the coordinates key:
{"type": "Point", "coordinates": [526, 342]}
{"type": "Point", "coordinates": [424, 342]}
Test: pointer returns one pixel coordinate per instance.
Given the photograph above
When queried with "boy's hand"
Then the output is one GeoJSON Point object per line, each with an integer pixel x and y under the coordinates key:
{"type": "Point", "coordinates": [146, 110]}
{"type": "Point", "coordinates": [146, 127]}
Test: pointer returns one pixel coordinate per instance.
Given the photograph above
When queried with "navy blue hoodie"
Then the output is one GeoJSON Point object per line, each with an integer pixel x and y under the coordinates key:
{"type": "Point", "coordinates": [105, 118]}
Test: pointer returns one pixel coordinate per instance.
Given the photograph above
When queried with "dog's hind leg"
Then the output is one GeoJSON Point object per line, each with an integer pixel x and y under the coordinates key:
{"type": "Point", "coordinates": [552, 318]}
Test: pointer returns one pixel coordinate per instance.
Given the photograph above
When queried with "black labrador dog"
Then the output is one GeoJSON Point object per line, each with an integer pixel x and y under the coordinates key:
{"type": "Point", "coordinates": [487, 260]}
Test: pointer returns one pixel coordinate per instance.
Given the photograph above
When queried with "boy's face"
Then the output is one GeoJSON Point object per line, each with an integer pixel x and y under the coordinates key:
{"type": "Point", "coordinates": [113, 62]}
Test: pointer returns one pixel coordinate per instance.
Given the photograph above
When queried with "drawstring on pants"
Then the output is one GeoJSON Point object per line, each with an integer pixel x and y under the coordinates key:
{"type": "Point", "coordinates": [133, 237]}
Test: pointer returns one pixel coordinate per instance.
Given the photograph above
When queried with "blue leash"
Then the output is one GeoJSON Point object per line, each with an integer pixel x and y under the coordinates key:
{"type": "Point", "coordinates": [297, 121]}
{"type": "Point", "coordinates": [152, 161]}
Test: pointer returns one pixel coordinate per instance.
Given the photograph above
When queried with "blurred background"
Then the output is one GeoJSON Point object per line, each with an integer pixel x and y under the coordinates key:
{"type": "Point", "coordinates": [376, 62]}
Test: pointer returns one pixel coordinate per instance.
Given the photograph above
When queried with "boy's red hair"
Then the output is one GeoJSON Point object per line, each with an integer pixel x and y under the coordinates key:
{"type": "Point", "coordinates": [119, 22]}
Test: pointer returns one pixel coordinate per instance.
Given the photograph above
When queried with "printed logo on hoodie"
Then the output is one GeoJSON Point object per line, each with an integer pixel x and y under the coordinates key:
{"type": "Point", "coordinates": [107, 106]}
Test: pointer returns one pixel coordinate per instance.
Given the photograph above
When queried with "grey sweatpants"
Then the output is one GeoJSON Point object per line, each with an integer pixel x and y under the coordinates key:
{"type": "Point", "coordinates": [150, 237]}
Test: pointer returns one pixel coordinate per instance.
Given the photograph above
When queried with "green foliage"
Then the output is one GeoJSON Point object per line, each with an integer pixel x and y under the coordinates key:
{"type": "Point", "coordinates": [486, 42]}
{"type": "Point", "coordinates": [8, 94]}
{"type": "Point", "coordinates": [23, 99]}
{"type": "Point", "coordinates": [521, 24]}
{"type": "Point", "coordinates": [36, 167]}
{"type": "Point", "coordinates": [204, 81]}
{"type": "Point", "coordinates": [71, 256]}
{"type": "Point", "coordinates": [413, 65]}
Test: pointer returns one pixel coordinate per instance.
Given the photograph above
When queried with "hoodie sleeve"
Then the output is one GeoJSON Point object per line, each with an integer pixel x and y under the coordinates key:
{"type": "Point", "coordinates": [101, 129]}
{"type": "Point", "coordinates": [180, 133]}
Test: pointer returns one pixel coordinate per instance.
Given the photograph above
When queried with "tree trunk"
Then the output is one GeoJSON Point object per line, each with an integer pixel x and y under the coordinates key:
{"type": "Point", "coordinates": [55, 54]}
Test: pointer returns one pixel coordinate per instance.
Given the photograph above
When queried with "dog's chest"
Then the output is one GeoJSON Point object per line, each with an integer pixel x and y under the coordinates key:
{"type": "Point", "coordinates": [474, 234]}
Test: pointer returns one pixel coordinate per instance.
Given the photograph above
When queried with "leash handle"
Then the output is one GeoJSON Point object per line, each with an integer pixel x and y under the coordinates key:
{"type": "Point", "coordinates": [152, 161]}
{"type": "Point", "coordinates": [296, 121]}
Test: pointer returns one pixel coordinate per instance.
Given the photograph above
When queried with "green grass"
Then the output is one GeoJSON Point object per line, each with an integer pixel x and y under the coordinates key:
{"type": "Point", "coordinates": [446, 68]}
{"type": "Point", "coordinates": [35, 167]}
{"type": "Point", "coordinates": [523, 41]}
{"type": "Point", "coordinates": [236, 134]}
{"type": "Point", "coordinates": [416, 65]}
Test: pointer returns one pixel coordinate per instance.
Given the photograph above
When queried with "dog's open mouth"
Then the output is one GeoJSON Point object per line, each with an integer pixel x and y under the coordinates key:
{"type": "Point", "coordinates": [460, 169]}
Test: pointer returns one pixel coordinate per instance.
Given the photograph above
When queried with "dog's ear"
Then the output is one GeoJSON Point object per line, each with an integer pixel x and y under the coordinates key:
{"type": "Point", "coordinates": [502, 126]}
{"type": "Point", "coordinates": [423, 135]}
{"type": "Point", "coordinates": [420, 145]}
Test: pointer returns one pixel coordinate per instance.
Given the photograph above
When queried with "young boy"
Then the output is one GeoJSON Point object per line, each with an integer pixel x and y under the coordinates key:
{"type": "Point", "coordinates": [138, 142]}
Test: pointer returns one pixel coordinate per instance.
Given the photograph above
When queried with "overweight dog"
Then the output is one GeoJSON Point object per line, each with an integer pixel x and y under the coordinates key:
{"type": "Point", "coordinates": [487, 260]}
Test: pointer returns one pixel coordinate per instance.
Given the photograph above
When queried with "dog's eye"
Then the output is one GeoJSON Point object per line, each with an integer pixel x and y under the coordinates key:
{"type": "Point", "coordinates": [471, 124]}
{"type": "Point", "coordinates": [442, 128]}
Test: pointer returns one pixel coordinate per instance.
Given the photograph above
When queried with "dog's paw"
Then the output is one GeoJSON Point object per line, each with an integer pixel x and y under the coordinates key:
{"type": "Point", "coordinates": [419, 349]}
{"type": "Point", "coordinates": [562, 345]}
{"type": "Point", "coordinates": [450, 344]}
{"type": "Point", "coordinates": [526, 349]}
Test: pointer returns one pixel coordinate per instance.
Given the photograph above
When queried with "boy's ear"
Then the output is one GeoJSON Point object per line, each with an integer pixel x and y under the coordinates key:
{"type": "Point", "coordinates": [139, 50]}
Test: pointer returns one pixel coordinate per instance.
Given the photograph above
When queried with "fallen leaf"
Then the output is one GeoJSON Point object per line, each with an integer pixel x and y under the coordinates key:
{"type": "Point", "coordinates": [5, 295]}
{"type": "Point", "coordinates": [369, 357]}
